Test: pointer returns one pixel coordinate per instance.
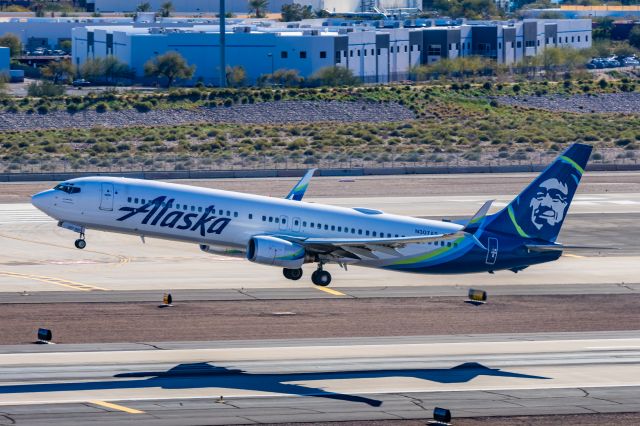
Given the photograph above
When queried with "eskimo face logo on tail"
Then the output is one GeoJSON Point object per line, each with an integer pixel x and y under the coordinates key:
{"type": "Point", "coordinates": [549, 205]}
{"type": "Point", "coordinates": [157, 213]}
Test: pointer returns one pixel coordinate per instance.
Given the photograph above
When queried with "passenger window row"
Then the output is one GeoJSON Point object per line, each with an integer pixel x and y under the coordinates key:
{"type": "Point", "coordinates": [185, 207]}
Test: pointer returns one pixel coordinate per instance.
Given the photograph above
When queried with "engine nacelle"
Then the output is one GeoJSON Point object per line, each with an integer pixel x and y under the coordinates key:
{"type": "Point", "coordinates": [276, 251]}
{"type": "Point", "coordinates": [222, 251]}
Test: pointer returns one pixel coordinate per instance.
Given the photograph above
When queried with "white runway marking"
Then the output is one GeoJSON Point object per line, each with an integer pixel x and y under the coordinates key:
{"type": "Point", "coordinates": [22, 213]}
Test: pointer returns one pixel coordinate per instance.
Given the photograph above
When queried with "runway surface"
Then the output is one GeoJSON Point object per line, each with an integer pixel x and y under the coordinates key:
{"type": "Point", "coordinates": [342, 379]}
{"type": "Point", "coordinates": [430, 353]}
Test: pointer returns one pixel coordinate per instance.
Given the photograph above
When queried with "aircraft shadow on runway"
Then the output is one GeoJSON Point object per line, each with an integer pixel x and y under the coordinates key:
{"type": "Point", "coordinates": [205, 375]}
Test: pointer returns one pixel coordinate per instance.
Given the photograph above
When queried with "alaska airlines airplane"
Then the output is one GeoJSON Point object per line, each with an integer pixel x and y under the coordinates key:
{"type": "Point", "coordinates": [289, 232]}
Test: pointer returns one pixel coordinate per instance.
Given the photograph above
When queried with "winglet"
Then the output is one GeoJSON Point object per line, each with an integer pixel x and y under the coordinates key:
{"type": "Point", "coordinates": [297, 192]}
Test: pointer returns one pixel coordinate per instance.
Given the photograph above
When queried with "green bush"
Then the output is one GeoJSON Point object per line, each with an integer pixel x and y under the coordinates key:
{"type": "Point", "coordinates": [44, 89]}
{"type": "Point", "coordinates": [101, 107]}
{"type": "Point", "coordinates": [143, 106]}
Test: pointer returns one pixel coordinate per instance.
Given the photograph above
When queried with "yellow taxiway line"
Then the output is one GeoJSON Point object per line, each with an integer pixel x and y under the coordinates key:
{"type": "Point", "coordinates": [330, 291]}
{"type": "Point", "coordinates": [52, 280]}
{"type": "Point", "coordinates": [116, 407]}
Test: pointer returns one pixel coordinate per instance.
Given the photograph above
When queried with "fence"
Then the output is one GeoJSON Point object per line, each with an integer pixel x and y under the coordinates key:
{"type": "Point", "coordinates": [57, 171]}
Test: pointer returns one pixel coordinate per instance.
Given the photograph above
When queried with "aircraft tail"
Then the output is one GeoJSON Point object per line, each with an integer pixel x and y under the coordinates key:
{"type": "Point", "coordinates": [539, 211]}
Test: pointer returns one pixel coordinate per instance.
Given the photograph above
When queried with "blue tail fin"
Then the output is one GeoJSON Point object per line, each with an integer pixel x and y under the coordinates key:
{"type": "Point", "coordinates": [539, 211]}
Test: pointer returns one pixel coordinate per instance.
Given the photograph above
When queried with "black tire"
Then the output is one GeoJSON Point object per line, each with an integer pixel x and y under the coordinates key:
{"type": "Point", "coordinates": [321, 278]}
{"type": "Point", "coordinates": [80, 244]}
{"type": "Point", "coordinates": [292, 274]}
{"type": "Point", "coordinates": [287, 274]}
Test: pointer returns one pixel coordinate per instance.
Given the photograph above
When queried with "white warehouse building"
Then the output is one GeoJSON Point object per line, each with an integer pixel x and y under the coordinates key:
{"type": "Point", "coordinates": [242, 6]}
{"type": "Point", "coordinates": [374, 55]}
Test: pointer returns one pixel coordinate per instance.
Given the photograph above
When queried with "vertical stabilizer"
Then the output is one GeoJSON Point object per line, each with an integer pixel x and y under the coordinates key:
{"type": "Point", "coordinates": [539, 211]}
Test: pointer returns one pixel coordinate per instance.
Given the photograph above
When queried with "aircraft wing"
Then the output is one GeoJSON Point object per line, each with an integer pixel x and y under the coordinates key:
{"type": "Point", "coordinates": [297, 192]}
{"type": "Point", "coordinates": [367, 247]}
{"type": "Point", "coordinates": [562, 247]}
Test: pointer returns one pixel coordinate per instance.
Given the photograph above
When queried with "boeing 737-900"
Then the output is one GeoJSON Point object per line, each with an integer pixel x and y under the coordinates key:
{"type": "Point", "coordinates": [289, 232]}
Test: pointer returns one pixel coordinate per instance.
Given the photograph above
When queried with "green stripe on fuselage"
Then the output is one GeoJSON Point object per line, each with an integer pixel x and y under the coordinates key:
{"type": "Point", "coordinates": [429, 255]}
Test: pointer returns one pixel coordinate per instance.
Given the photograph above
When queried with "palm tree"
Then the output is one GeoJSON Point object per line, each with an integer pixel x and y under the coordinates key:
{"type": "Point", "coordinates": [258, 7]}
{"type": "Point", "coordinates": [166, 8]}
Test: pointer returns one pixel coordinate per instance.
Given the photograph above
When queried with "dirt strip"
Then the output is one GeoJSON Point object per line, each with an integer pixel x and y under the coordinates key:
{"type": "Point", "coordinates": [620, 419]}
{"type": "Point", "coordinates": [282, 319]}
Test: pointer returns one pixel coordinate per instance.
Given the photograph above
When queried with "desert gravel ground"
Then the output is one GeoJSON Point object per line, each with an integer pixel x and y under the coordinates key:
{"type": "Point", "coordinates": [376, 186]}
{"type": "Point", "coordinates": [617, 103]}
{"type": "Point", "coordinates": [280, 319]}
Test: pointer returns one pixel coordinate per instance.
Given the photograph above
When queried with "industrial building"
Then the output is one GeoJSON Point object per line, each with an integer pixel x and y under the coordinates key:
{"type": "Point", "coordinates": [375, 55]}
{"type": "Point", "coordinates": [4, 61]}
{"type": "Point", "coordinates": [241, 6]}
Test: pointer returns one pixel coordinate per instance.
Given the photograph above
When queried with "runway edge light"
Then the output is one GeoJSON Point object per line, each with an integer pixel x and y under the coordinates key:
{"type": "Point", "coordinates": [44, 336]}
{"type": "Point", "coordinates": [441, 416]}
{"type": "Point", "coordinates": [167, 301]}
{"type": "Point", "coordinates": [477, 297]}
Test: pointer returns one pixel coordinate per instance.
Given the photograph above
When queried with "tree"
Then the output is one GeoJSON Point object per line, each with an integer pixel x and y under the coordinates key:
{"type": "Point", "coordinates": [634, 36]}
{"type": "Point", "coordinates": [65, 45]}
{"type": "Point", "coordinates": [59, 71]}
{"type": "Point", "coordinates": [236, 76]}
{"type": "Point", "coordinates": [602, 28]}
{"type": "Point", "coordinates": [171, 66]}
{"type": "Point", "coordinates": [166, 8]}
{"type": "Point", "coordinates": [108, 70]}
{"type": "Point", "coordinates": [13, 42]}
{"type": "Point", "coordinates": [334, 76]}
{"type": "Point", "coordinates": [296, 12]}
{"type": "Point", "coordinates": [258, 8]}
{"type": "Point", "coordinates": [144, 7]}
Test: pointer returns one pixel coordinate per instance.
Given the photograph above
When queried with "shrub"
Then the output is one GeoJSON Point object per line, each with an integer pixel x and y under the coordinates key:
{"type": "Point", "coordinates": [101, 107]}
{"type": "Point", "coordinates": [142, 106]}
{"type": "Point", "coordinates": [44, 89]}
{"type": "Point", "coordinates": [43, 109]}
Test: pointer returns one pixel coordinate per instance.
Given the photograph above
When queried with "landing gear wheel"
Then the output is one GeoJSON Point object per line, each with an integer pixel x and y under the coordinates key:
{"type": "Point", "coordinates": [80, 244]}
{"type": "Point", "coordinates": [321, 278]}
{"type": "Point", "coordinates": [292, 274]}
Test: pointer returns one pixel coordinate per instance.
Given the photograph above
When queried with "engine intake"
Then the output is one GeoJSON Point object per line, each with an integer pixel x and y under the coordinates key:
{"type": "Point", "coordinates": [276, 252]}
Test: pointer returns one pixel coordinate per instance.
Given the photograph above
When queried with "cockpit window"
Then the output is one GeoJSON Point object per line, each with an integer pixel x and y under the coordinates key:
{"type": "Point", "coordinates": [69, 189]}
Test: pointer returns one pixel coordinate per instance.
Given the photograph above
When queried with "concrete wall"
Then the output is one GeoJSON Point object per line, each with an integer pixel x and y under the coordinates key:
{"type": "Point", "coordinates": [4, 61]}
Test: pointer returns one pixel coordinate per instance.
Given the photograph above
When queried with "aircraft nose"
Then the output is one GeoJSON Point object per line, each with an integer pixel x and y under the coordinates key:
{"type": "Point", "coordinates": [42, 200]}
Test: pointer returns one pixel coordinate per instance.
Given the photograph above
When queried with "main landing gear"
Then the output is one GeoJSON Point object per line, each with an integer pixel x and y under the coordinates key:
{"type": "Point", "coordinates": [80, 242]}
{"type": "Point", "coordinates": [321, 277]}
{"type": "Point", "coordinates": [292, 274]}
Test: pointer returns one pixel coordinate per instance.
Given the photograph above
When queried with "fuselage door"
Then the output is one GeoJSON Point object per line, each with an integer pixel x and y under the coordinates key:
{"type": "Point", "coordinates": [284, 223]}
{"type": "Point", "coordinates": [295, 226]}
{"type": "Point", "coordinates": [492, 251]}
{"type": "Point", "coordinates": [106, 197]}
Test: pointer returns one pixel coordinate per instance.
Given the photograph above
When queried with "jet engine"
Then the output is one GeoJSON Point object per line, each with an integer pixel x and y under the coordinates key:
{"type": "Point", "coordinates": [276, 251]}
{"type": "Point", "coordinates": [222, 251]}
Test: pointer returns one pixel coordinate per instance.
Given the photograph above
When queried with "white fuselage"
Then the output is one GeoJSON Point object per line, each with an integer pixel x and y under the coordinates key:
{"type": "Point", "coordinates": [220, 218]}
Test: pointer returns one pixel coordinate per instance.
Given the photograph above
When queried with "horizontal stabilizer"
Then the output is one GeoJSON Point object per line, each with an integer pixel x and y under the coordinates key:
{"type": "Point", "coordinates": [481, 214]}
{"type": "Point", "coordinates": [561, 247]}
